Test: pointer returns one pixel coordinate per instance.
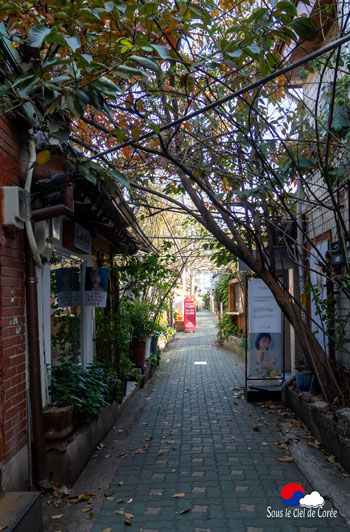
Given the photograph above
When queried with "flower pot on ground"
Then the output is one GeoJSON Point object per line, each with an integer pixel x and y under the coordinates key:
{"type": "Point", "coordinates": [137, 354]}
{"type": "Point", "coordinates": [58, 421]}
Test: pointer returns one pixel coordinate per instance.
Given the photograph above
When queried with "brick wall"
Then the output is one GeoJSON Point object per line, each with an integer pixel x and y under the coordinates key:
{"type": "Point", "coordinates": [13, 403]}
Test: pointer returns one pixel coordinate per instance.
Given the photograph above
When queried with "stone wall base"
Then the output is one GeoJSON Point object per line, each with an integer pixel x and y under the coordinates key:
{"type": "Point", "coordinates": [332, 430]}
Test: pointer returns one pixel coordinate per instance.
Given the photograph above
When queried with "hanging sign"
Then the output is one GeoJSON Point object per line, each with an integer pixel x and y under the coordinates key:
{"type": "Point", "coordinates": [265, 332]}
{"type": "Point", "coordinates": [68, 287]}
{"type": "Point", "coordinates": [96, 287]}
{"type": "Point", "coordinates": [190, 313]}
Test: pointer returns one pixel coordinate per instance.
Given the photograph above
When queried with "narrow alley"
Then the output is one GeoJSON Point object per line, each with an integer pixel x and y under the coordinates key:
{"type": "Point", "coordinates": [196, 456]}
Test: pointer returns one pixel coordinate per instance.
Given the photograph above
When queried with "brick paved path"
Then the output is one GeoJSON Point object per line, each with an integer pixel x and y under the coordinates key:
{"type": "Point", "coordinates": [200, 441]}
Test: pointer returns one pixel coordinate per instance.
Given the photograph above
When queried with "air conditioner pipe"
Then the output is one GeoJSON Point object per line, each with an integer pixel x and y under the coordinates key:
{"type": "Point", "coordinates": [27, 188]}
{"type": "Point", "coordinates": [67, 207]}
{"type": "Point", "coordinates": [32, 259]}
{"type": "Point", "coordinates": [285, 386]}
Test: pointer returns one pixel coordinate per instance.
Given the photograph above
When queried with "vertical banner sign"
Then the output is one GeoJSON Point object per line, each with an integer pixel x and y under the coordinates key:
{"type": "Point", "coordinates": [96, 287]}
{"type": "Point", "coordinates": [190, 313]}
{"type": "Point", "coordinates": [68, 287]}
{"type": "Point", "coordinates": [265, 332]}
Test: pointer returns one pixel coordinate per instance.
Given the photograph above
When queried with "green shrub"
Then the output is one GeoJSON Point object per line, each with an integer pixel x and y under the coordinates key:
{"type": "Point", "coordinates": [88, 390]}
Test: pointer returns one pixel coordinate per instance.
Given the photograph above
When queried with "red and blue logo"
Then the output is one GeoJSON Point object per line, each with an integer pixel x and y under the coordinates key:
{"type": "Point", "coordinates": [291, 494]}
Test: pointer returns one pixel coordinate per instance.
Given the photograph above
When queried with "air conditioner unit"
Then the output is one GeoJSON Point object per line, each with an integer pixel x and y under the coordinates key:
{"type": "Point", "coordinates": [16, 207]}
{"type": "Point", "coordinates": [42, 236]}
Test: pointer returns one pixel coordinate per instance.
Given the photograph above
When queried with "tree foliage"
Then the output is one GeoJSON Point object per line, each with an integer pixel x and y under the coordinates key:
{"type": "Point", "coordinates": [136, 86]}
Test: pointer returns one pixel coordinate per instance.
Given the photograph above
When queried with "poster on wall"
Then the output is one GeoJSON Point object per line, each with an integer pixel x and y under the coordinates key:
{"type": "Point", "coordinates": [265, 332]}
{"type": "Point", "coordinates": [189, 313]}
{"type": "Point", "coordinates": [68, 287]}
{"type": "Point", "coordinates": [96, 287]}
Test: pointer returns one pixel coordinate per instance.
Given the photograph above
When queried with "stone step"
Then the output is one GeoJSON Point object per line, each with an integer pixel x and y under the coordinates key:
{"type": "Point", "coordinates": [20, 511]}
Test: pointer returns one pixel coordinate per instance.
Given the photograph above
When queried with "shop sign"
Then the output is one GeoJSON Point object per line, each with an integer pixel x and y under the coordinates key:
{"type": "Point", "coordinates": [96, 287]}
{"type": "Point", "coordinates": [265, 332]}
{"type": "Point", "coordinates": [68, 287]}
{"type": "Point", "coordinates": [190, 313]}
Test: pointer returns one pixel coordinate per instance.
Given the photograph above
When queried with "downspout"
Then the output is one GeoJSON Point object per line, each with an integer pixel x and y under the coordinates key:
{"type": "Point", "coordinates": [32, 259]}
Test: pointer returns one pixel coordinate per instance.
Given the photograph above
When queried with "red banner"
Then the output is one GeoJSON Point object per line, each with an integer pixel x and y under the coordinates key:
{"type": "Point", "coordinates": [190, 313]}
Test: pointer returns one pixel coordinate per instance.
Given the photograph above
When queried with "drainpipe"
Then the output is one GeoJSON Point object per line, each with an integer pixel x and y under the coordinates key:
{"type": "Point", "coordinates": [32, 259]}
{"type": "Point", "coordinates": [285, 386]}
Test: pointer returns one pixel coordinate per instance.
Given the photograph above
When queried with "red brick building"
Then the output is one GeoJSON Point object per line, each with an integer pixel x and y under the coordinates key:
{"type": "Point", "coordinates": [13, 381]}
{"type": "Point", "coordinates": [105, 223]}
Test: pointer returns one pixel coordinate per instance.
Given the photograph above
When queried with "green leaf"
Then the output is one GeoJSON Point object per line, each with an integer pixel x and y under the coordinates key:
{"type": "Point", "coordinates": [106, 86]}
{"type": "Point", "coordinates": [90, 16]}
{"type": "Point", "coordinates": [235, 53]}
{"type": "Point", "coordinates": [121, 178]}
{"type": "Point", "coordinates": [55, 37]}
{"type": "Point", "coordinates": [130, 71]}
{"type": "Point", "coordinates": [254, 49]}
{"type": "Point", "coordinates": [74, 105]}
{"type": "Point", "coordinates": [37, 35]}
{"type": "Point", "coordinates": [146, 63]}
{"type": "Point", "coordinates": [62, 135]}
{"type": "Point", "coordinates": [302, 162]}
{"type": "Point", "coordinates": [155, 128]}
{"type": "Point", "coordinates": [87, 172]}
{"type": "Point", "coordinates": [6, 8]}
{"type": "Point", "coordinates": [73, 42]}
{"type": "Point", "coordinates": [162, 51]}
{"type": "Point", "coordinates": [109, 6]}
{"type": "Point", "coordinates": [288, 7]}
{"type": "Point", "coordinates": [306, 28]}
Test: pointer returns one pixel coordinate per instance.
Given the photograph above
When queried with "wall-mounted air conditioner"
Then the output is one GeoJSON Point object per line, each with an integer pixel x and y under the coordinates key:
{"type": "Point", "coordinates": [15, 207]}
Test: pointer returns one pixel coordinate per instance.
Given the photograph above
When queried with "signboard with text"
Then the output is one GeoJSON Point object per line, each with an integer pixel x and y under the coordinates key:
{"type": "Point", "coordinates": [96, 287]}
{"type": "Point", "coordinates": [265, 332]}
{"type": "Point", "coordinates": [190, 313]}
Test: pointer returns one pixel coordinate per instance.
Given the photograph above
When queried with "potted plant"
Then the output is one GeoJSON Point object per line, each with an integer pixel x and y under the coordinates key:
{"type": "Point", "coordinates": [141, 326]}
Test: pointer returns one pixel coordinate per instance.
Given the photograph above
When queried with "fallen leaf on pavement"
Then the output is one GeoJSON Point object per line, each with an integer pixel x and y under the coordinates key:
{"type": "Point", "coordinates": [128, 516]}
{"type": "Point", "coordinates": [256, 428]}
{"type": "Point", "coordinates": [286, 459]}
{"type": "Point", "coordinates": [107, 530]}
{"type": "Point", "coordinates": [127, 523]}
{"type": "Point", "coordinates": [178, 495]}
{"type": "Point", "coordinates": [185, 511]}
{"type": "Point", "coordinates": [58, 516]}
{"type": "Point", "coordinates": [109, 494]}
{"type": "Point", "coordinates": [90, 516]}
{"type": "Point", "coordinates": [121, 483]}
{"type": "Point", "coordinates": [139, 451]}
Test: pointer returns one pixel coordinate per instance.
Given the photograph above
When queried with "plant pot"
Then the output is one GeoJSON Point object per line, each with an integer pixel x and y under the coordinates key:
{"type": "Point", "coordinates": [179, 325]}
{"type": "Point", "coordinates": [137, 354]}
{"type": "Point", "coordinates": [58, 422]}
{"type": "Point", "coordinates": [304, 379]}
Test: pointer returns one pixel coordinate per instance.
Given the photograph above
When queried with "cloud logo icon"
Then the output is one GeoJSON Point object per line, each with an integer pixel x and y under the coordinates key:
{"type": "Point", "coordinates": [313, 500]}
